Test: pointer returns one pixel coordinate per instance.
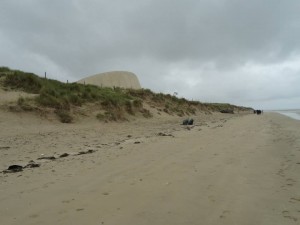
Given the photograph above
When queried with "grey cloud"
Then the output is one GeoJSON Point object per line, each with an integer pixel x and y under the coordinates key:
{"type": "Point", "coordinates": [199, 48]}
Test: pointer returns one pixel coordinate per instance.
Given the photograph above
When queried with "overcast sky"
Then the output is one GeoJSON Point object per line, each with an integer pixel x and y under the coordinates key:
{"type": "Point", "coordinates": [237, 51]}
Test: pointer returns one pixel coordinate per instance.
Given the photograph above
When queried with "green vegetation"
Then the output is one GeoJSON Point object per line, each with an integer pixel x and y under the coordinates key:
{"type": "Point", "coordinates": [225, 107]}
{"type": "Point", "coordinates": [27, 82]}
{"type": "Point", "coordinates": [64, 116]}
{"type": "Point", "coordinates": [25, 104]}
{"type": "Point", "coordinates": [62, 97]}
{"type": "Point", "coordinates": [116, 103]}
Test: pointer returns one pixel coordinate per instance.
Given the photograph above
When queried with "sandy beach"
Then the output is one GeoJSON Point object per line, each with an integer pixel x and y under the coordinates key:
{"type": "Point", "coordinates": [226, 169]}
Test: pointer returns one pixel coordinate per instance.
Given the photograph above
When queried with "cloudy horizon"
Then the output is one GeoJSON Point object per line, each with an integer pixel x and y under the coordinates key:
{"type": "Point", "coordinates": [241, 52]}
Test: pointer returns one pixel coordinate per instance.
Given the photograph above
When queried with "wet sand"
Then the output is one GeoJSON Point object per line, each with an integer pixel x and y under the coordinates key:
{"type": "Point", "coordinates": [224, 170]}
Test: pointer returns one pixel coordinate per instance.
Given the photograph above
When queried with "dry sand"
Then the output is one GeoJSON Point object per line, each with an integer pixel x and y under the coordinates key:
{"type": "Point", "coordinates": [112, 79]}
{"type": "Point", "coordinates": [226, 169]}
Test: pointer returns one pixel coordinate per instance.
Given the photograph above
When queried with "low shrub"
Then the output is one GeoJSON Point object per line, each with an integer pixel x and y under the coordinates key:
{"type": "Point", "coordinates": [116, 101]}
{"type": "Point", "coordinates": [146, 113]}
{"type": "Point", "coordinates": [64, 116]}
{"type": "Point", "coordinates": [21, 101]}
{"type": "Point", "coordinates": [129, 107]}
{"type": "Point", "coordinates": [101, 116]}
{"type": "Point", "coordinates": [25, 81]}
{"type": "Point", "coordinates": [137, 103]}
{"type": "Point", "coordinates": [23, 104]}
{"type": "Point", "coordinates": [75, 99]}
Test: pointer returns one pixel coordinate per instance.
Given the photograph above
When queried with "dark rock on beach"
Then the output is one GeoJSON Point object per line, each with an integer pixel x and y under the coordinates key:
{"type": "Point", "coordinates": [164, 135]}
{"type": "Point", "coordinates": [64, 155]}
{"type": "Point", "coordinates": [32, 164]}
{"type": "Point", "coordinates": [188, 122]}
{"type": "Point", "coordinates": [185, 122]}
{"type": "Point", "coordinates": [13, 169]}
{"type": "Point", "coordinates": [19, 168]}
{"type": "Point", "coordinates": [47, 157]}
{"type": "Point", "coordinates": [86, 152]}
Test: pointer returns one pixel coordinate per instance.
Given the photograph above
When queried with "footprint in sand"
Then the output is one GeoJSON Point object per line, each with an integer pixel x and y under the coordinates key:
{"type": "Point", "coordinates": [209, 187]}
{"type": "Point", "coordinates": [67, 201]}
{"type": "Point", "coordinates": [295, 199]}
{"type": "Point", "coordinates": [224, 214]}
{"type": "Point", "coordinates": [290, 182]}
{"type": "Point", "coordinates": [79, 209]}
{"type": "Point", "coordinates": [34, 216]}
{"type": "Point", "coordinates": [62, 212]}
{"type": "Point", "coordinates": [281, 173]}
{"type": "Point", "coordinates": [211, 198]}
{"type": "Point", "coordinates": [287, 215]}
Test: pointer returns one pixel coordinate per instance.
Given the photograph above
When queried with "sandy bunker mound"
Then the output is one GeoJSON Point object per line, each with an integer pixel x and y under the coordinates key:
{"type": "Point", "coordinates": [121, 79]}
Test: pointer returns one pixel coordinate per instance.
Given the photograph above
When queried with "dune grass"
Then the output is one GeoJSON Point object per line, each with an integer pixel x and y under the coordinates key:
{"type": "Point", "coordinates": [63, 96]}
{"type": "Point", "coordinates": [56, 94]}
{"type": "Point", "coordinates": [116, 102]}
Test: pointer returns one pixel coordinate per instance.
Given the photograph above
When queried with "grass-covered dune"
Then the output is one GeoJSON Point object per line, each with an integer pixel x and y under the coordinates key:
{"type": "Point", "coordinates": [65, 99]}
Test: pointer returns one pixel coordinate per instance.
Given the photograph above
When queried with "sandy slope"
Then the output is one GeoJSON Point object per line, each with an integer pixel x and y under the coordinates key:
{"type": "Point", "coordinates": [12, 96]}
{"type": "Point", "coordinates": [239, 170]}
{"type": "Point", "coordinates": [122, 79]}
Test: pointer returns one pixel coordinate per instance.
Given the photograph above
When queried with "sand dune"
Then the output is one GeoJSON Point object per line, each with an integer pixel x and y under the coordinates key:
{"type": "Point", "coordinates": [122, 79]}
{"type": "Point", "coordinates": [227, 169]}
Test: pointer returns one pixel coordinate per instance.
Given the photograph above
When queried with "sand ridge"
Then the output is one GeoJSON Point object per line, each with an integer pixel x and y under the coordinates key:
{"type": "Point", "coordinates": [121, 79]}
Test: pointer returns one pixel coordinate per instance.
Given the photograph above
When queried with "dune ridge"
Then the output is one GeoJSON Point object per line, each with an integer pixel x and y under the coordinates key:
{"type": "Point", "coordinates": [122, 79]}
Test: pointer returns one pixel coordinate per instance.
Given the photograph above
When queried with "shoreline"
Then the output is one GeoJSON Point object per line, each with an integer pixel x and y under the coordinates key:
{"type": "Point", "coordinates": [224, 170]}
{"type": "Point", "coordinates": [294, 114]}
